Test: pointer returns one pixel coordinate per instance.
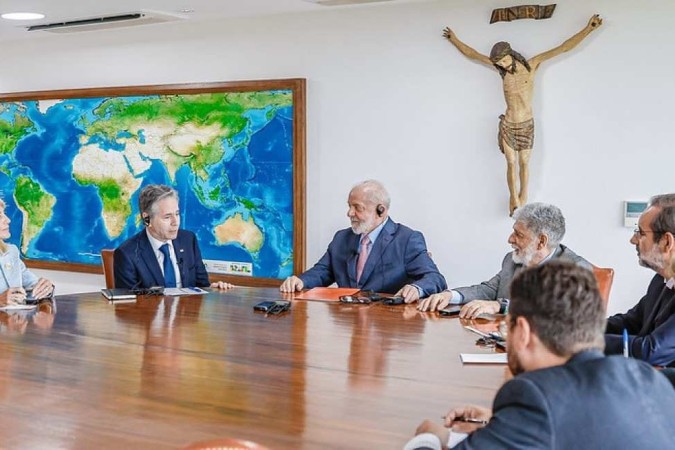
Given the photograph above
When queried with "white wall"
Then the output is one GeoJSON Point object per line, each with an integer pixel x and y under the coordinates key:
{"type": "Point", "coordinates": [388, 98]}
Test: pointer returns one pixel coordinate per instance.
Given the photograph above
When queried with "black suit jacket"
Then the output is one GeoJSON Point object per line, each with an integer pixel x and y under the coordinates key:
{"type": "Point", "coordinates": [650, 325]}
{"type": "Point", "coordinates": [136, 265]}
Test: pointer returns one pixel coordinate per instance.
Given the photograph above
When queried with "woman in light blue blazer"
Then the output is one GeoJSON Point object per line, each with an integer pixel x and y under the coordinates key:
{"type": "Point", "coordinates": [15, 278]}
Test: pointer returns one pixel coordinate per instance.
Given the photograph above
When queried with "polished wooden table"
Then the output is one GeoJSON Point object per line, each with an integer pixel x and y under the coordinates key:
{"type": "Point", "coordinates": [165, 372]}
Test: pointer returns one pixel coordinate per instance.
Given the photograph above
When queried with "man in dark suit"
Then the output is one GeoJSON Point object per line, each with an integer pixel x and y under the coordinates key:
{"type": "Point", "coordinates": [161, 254]}
{"type": "Point", "coordinates": [565, 393]}
{"type": "Point", "coordinates": [537, 232]}
{"type": "Point", "coordinates": [651, 323]}
{"type": "Point", "coordinates": [375, 254]}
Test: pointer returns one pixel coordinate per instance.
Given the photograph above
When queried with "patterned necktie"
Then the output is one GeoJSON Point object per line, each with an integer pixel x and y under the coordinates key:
{"type": "Point", "coordinates": [363, 256]}
{"type": "Point", "coordinates": [169, 273]}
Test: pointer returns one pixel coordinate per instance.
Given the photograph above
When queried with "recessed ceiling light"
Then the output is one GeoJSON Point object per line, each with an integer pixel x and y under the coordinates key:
{"type": "Point", "coordinates": [23, 16]}
{"type": "Point", "coordinates": [186, 11]}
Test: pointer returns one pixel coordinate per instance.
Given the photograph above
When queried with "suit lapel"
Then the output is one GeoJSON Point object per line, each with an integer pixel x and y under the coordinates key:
{"type": "Point", "coordinates": [179, 251]}
{"type": "Point", "coordinates": [380, 245]}
{"type": "Point", "coordinates": [150, 259]}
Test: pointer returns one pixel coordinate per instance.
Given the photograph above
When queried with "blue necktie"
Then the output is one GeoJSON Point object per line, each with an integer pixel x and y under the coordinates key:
{"type": "Point", "coordinates": [169, 273]}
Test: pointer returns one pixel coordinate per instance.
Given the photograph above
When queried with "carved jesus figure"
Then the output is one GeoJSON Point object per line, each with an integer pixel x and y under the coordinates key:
{"type": "Point", "coordinates": [516, 125]}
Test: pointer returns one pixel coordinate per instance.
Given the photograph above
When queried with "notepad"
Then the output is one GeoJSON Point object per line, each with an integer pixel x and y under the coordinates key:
{"type": "Point", "coordinates": [483, 358]}
{"type": "Point", "coordinates": [13, 307]}
{"type": "Point", "coordinates": [325, 294]}
{"type": "Point", "coordinates": [455, 438]}
{"type": "Point", "coordinates": [115, 295]}
{"type": "Point", "coordinates": [185, 291]}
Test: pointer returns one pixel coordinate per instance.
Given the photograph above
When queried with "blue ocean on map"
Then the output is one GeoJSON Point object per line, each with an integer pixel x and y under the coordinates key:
{"type": "Point", "coordinates": [254, 180]}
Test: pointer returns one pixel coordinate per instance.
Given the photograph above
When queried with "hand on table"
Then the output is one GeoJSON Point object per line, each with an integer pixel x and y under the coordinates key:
{"type": "Point", "coordinates": [477, 307]}
{"type": "Point", "coordinates": [435, 302]}
{"type": "Point", "coordinates": [12, 296]}
{"type": "Point", "coordinates": [409, 293]}
{"type": "Point", "coordinates": [43, 288]}
{"type": "Point", "coordinates": [291, 284]}
{"type": "Point", "coordinates": [222, 285]}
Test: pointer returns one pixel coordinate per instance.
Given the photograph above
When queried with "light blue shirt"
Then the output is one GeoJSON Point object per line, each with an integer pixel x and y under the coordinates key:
{"type": "Point", "coordinates": [14, 271]}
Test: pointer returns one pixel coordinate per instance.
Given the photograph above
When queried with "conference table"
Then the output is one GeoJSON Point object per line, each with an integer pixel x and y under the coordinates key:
{"type": "Point", "coordinates": [164, 372]}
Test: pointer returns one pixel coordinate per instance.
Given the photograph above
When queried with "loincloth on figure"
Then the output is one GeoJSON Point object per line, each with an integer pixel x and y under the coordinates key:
{"type": "Point", "coordinates": [518, 136]}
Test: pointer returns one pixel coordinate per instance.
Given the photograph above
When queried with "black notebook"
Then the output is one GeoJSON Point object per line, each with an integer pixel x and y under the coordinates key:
{"type": "Point", "coordinates": [119, 294]}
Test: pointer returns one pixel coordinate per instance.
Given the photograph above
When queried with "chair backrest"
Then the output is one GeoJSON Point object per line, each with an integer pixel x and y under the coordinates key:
{"type": "Point", "coordinates": [108, 262]}
{"type": "Point", "coordinates": [604, 277]}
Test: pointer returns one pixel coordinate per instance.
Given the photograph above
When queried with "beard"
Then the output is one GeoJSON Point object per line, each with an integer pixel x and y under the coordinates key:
{"type": "Point", "coordinates": [652, 259]}
{"type": "Point", "coordinates": [524, 255]}
{"type": "Point", "coordinates": [364, 226]}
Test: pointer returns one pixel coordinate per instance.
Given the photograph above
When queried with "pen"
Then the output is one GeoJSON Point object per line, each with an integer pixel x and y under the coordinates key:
{"type": "Point", "coordinates": [478, 332]}
{"type": "Point", "coordinates": [467, 420]}
{"type": "Point", "coordinates": [625, 343]}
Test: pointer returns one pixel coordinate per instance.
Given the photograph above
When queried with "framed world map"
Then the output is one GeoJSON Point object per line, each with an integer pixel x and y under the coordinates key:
{"type": "Point", "coordinates": [73, 162]}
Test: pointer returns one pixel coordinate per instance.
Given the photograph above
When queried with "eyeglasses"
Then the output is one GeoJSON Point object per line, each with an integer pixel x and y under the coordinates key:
{"type": "Point", "coordinates": [643, 233]}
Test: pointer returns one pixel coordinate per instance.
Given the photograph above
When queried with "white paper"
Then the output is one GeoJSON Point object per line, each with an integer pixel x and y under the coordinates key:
{"type": "Point", "coordinates": [16, 307]}
{"type": "Point", "coordinates": [483, 358]}
{"type": "Point", "coordinates": [455, 438]}
{"type": "Point", "coordinates": [184, 291]}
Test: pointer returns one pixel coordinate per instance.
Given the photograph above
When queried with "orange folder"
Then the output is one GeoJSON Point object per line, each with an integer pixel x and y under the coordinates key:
{"type": "Point", "coordinates": [325, 294]}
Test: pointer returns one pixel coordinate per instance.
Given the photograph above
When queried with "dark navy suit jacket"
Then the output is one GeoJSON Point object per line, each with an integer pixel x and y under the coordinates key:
{"type": "Point", "coordinates": [650, 325]}
{"type": "Point", "coordinates": [591, 402]}
{"type": "Point", "coordinates": [136, 265]}
{"type": "Point", "coordinates": [398, 257]}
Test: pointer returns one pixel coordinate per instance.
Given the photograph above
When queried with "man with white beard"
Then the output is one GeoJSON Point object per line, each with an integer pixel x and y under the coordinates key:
{"type": "Point", "coordinates": [650, 325]}
{"type": "Point", "coordinates": [536, 236]}
{"type": "Point", "coordinates": [375, 254]}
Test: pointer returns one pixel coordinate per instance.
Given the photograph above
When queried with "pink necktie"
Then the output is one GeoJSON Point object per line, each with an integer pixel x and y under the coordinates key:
{"type": "Point", "coordinates": [363, 256]}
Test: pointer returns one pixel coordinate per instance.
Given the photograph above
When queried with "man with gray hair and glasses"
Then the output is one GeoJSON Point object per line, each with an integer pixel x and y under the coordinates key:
{"type": "Point", "coordinates": [162, 254]}
{"type": "Point", "coordinates": [537, 232]}
{"type": "Point", "coordinates": [650, 325]}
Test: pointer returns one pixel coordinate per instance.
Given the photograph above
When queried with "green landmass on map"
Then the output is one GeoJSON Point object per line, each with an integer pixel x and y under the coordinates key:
{"type": "Point", "coordinates": [11, 133]}
{"type": "Point", "coordinates": [223, 109]}
{"type": "Point", "coordinates": [36, 205]}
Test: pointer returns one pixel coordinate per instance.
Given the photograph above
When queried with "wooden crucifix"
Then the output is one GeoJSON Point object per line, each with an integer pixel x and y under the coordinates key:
{"type": "Point", "coordinates": [516, 125]}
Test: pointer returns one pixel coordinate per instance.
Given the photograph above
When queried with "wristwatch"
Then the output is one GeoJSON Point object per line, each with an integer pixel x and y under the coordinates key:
{"type": "Point", "coordinates": [503, 305]}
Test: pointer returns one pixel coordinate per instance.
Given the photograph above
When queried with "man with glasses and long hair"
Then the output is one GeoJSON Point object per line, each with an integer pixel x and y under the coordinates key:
{"type": "Point", "coordinates": [650, 325]}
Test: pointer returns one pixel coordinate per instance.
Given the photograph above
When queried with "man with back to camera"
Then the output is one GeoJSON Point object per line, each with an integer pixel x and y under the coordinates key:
{"type": "Point", "coordinates": [651, 323]}
{"type": "Point", "coordinates": [375, 254]}
{"type": "Point", "coordinates": [565, 394]}
{"type": "Point", "coordinates": [537, 232]}
{"type": "Point", "coordinates": [161, 254]}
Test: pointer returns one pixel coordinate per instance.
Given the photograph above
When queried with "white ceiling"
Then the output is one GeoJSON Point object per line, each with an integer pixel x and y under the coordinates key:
{"type": "Point", "coordinates": [69, 10]}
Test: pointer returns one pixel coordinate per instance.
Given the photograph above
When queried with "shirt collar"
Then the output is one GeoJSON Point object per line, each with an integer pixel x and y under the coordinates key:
{"type": "Point", "coordinates": [155, 243]}
{"type": "Point", "coordinates": [375, 233]}
{"type": "Point", "coordinates": [670, 284]}
{"type": "Point", "coordinates": [550, 255]}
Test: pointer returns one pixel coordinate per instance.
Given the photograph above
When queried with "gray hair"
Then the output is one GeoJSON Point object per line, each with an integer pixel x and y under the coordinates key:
{"type": "Point", "coordinates": [542, 218]}
{"type": "Point", "coordinates": [374, 191]}
{"type": "Point", "coordinates": [151, 195]}
{"type": "Point", "coordinates": [664, 221]}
